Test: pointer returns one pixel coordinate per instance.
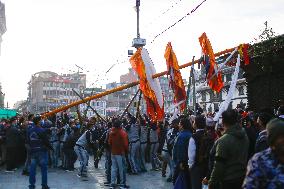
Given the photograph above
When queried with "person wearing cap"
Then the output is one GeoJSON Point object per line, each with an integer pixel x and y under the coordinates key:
{"type": "Point", "coordinates": [231, 154]}
{"type": "Point", "coordinates": [266, 168]}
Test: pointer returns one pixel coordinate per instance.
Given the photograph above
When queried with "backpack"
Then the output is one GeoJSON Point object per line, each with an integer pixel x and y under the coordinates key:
{"type": "Point", "coordinates": [205, 144]}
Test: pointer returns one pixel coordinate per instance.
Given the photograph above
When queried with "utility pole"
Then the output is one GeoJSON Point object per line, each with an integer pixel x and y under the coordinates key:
{"type": "Point", "coordinates": [138, 11]}
{"type": "Point", "coordinates": [138, 42]}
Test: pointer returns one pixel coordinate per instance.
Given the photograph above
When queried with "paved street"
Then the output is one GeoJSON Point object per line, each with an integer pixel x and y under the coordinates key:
{"type": "Point", "coordinates": [60, 179]}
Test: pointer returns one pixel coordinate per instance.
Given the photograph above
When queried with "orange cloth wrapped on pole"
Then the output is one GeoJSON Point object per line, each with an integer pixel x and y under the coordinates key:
{"type": "Point", "coordinates": [214, 80]}
{"type": "Point", "coordinates": [155, 108]}
{"type": "Point", "coordinates": [175, 81]}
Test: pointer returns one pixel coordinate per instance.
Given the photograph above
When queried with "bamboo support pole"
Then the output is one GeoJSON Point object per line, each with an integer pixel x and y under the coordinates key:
{"type": "Point", "coordinates": [122, 87]}
{"type": "Point", "coordinates": [128, 105]}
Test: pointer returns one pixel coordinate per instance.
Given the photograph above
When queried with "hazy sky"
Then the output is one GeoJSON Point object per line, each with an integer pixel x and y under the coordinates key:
{"type": "Point", "coordinates": [94, 34]}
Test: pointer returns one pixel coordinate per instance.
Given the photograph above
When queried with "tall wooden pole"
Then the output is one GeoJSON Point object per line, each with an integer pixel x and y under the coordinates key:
{"type": "Point", "coordinates": [122, 87]}
{"type": "Point", "coordinates": [193, 88]}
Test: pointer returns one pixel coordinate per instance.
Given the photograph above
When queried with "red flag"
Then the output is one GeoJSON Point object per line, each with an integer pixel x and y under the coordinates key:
{"type": "Point", "coordinates": [175, 81]}
{"type": "Point", "coordinates": [243, 50]}
{"type": "Point", "coordinates": [214, 79]}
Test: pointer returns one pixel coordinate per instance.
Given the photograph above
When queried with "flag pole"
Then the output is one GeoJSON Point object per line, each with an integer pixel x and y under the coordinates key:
{"type": "Point", "coordinates": [127, 107]}
{"type": "Point", "coordinates": [193, 87]}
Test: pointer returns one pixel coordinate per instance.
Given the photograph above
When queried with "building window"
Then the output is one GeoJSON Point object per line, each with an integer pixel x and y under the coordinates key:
{"type": "Point", "coordinates": [241, 90]}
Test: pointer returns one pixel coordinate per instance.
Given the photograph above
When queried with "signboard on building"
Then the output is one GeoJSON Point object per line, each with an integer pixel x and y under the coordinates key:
{"type": "Point", "coordinates": [7, 113]}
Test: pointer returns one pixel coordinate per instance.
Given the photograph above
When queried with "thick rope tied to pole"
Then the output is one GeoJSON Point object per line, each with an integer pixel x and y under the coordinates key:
{"type": "Point", "coordinates": [122, 87]}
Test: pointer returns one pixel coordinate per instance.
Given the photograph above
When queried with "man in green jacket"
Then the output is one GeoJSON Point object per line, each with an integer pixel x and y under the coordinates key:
{"type": "Point", "coordinates": [231, 155]}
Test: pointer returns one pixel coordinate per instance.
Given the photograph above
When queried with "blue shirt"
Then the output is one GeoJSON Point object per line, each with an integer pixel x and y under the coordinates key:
{"type": "Point", "coordinates": [34, 138]}
{"type": "Point", "coordinates": [181, 147]}
{"type": "Point", "coordinates": [264, 171]}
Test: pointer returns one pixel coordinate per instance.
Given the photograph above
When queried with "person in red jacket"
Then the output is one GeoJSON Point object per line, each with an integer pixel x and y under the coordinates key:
{"type": "Point", "coordinates": [118, 142]}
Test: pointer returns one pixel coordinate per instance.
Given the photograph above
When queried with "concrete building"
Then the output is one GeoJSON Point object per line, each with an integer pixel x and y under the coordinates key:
{"type": "Point", "coordinates": [211, 101]}
{"type": "Point", "coordinates": [49, 90]}
{"type": "Point", "coordinates": [117, 102]}
{"type": "Point", "coordinates": [129, 77]}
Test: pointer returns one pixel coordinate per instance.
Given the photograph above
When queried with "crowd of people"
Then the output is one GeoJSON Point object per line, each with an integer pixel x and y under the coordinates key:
{"type": "Point", "coordinates": [244, 149]}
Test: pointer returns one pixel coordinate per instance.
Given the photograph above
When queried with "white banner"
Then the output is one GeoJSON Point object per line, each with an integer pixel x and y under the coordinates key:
{"type": "Point", "coordinates": [154, 83]}
{"type": "Point", "coordinates": [224, 105]}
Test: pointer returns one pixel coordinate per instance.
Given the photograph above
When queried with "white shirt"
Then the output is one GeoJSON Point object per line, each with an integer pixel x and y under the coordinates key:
{"type": "Point", "coordinates": [192, 150]}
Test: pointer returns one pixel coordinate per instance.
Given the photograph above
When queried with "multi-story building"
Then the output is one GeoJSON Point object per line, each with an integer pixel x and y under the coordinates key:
{"type": "Point", "coordinates": [2, 96]}
{"type": "Point", "coordinates": [49, 90]}
{"type": "Point", "coordinates": [210, 101]}
{"type": "Point", "coordinates": [118, 101]}
{"type": "Point", "coordinates": [129, 77]}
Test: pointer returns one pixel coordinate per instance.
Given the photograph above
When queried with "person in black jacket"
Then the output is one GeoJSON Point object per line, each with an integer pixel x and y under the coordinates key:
{"type": "Point", "coordinates": [199, 148]}
{"type": "Point", "coordinates": [3, 141]}
{"type": "Point", "coordinates": [68, 149]}
{"type": "Point", "coordinates": [261, 141]}
{"type": "Point", "coordinates": [12, 143]}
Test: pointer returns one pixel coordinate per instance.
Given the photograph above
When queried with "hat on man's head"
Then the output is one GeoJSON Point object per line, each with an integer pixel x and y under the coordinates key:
{"type": "Point", "coordinates": [275, 129]}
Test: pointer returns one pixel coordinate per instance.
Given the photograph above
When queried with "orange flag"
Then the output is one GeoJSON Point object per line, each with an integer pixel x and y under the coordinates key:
{"type": "Point", "coordinates": [176, 81]}
{"type": "Point", "coordinates": [243, 51]}
{"type": "Point", "coordinates": [150, 87]}
{"type": "Point", "coordinates": [214, 79]}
